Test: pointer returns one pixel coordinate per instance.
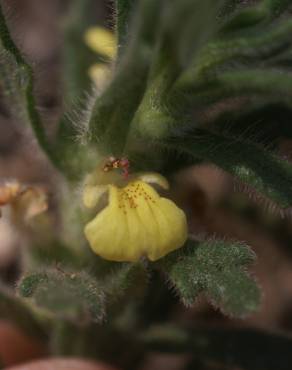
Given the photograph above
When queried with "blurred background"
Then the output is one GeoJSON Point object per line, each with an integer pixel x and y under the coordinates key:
{"type": "Point", "coordinates": [215, 204]}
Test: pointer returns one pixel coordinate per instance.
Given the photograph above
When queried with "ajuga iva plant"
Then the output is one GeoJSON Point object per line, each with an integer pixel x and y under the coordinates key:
{"type": "Point", "coordinates": [176, 83]}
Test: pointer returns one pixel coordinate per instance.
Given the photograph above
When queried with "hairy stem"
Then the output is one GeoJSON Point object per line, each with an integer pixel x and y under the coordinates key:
{"type": "Point", "coordinates": [124, 9]}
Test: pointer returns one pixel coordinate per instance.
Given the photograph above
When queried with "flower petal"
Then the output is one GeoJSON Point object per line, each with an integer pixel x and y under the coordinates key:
{"type": "Point", "coordinates": [137, 222]}
{"type": "Point", "coordinates": [172, 226]}
{"type": "Point", "coordinates": [154, 178]}
{"type": "Point", "coordinates": [32, 202]}
{"type": "Point", "coordinates": [166, 224]}
{"type": "Point", "coordinates": [108, 233]}
{"type": "Point", "coordinates": [92, 194]}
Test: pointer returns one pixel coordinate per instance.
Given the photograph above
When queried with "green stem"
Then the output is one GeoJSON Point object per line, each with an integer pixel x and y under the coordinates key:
{"type": "Point", "coordinates": [69, 339]}
{"type": "Point", "coordinates": [124, 10]}
{"type": "Point", "coordinates": [35, 119]}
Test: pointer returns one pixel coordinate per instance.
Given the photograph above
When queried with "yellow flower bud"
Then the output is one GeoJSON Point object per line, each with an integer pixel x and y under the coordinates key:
{"type": "Point", "coordinates": [100, 74]}
{"type": "Point", "coordinates": [102, 41]}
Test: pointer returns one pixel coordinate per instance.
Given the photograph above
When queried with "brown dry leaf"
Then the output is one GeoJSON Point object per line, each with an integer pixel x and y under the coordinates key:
{"type": "Point", "coordinates": [26, 202]}
{"type": "Point", "coordinates": [31, 202]}
{"type": "Point", "coordinates": [9, 192]}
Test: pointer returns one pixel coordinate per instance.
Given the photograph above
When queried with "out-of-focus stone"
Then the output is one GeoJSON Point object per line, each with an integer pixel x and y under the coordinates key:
{"type": "Point", "coordinates": [63, 364]}
{"type": "Point", "coordinates": [16, 347]}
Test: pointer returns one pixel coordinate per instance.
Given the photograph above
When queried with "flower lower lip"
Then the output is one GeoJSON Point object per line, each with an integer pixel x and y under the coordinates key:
{"type": "Point", "coordinates": [136, 222]}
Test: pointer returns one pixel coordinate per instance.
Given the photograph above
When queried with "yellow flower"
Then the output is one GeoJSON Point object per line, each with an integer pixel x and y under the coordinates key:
{"type": "Point", "coordinates": [136, 222]}
{"type": "Point", "coordinates": [104, 43]}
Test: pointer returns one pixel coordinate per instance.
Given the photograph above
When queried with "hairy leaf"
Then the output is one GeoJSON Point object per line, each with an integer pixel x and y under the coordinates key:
{"type": "Point", "coordinates": [218, 270]}
{"type": "Point", "coordinates": [248, 162]}
{"type": "Point", "coordinates": [114, 109]}
{"type": "Point", "coordinates": [65, 294]}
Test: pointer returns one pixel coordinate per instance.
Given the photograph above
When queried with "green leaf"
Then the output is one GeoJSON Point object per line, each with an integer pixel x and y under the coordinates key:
{"type": "Point", "coordinates": [250, 163]}
{"type": "Point", "coordinates": [186, 26]}
{"type": "Point", "coordinates": [114, 109]}
{"type": "Point", "coordinates": [268, 83]}
{"type": "Point", "coordinates": [30, 283]}
{"type": "Point", "coordinates": [256, 45]}
{"type": "Point", "coordinates": [233, 292]}
{"type": "Point", "coordinates": [66, 294]}
{"type": "Point", "coordinates": [246, 17]}
{"type": "Point", "coordinates": [217, 269]}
